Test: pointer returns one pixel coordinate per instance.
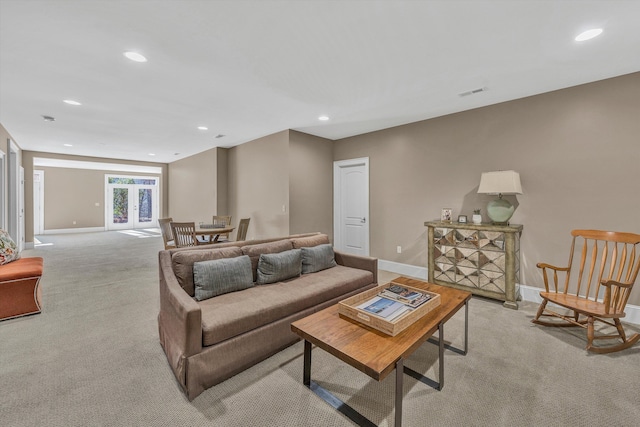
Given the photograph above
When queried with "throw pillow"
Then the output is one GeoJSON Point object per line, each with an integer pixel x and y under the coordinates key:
{"type": "Point", "coordinates": [221, 276]}
{"type": "Point", "coordinates": [281, 266]}
{"type": "Point", "coordinates": [182, 263]}
{"type": "Point", "coordinates": [317, 258]}
{"type": "Point", "coordinates": [8, 249]}
{"type": "Point", "coordinates": [254, 252]}
{"type": "Point", "coordinates": [304, 242]}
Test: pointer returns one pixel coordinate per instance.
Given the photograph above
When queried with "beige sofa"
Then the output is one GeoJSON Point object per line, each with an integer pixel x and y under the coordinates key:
{"type": "Point", "coordinates": [209, 341]}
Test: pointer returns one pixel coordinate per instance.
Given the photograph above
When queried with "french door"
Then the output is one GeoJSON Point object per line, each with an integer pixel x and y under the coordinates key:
{"type": "Point", "coordinates": [131, 204]}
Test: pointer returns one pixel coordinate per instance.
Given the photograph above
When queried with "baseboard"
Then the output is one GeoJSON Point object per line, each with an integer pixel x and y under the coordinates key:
{"type": "Point", "coordinates": [404, 269]}
{"type": "Point", "coordinates": [528, 293]}
{"type": "Point", "coordinates": [74, 230]}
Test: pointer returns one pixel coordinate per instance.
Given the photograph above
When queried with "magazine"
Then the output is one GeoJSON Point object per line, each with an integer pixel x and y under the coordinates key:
{"type": "Point", "coordinates": [381, 306]}
{"type": "Point", "coordinates": [405, 296]}
{"type": "Point", "coordinates": [399, 313]}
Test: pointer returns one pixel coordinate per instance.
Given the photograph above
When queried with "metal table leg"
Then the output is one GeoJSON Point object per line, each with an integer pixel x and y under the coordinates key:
{"type": "Point", "coordinates": [399, 396]}
{"type": "Point", "coordinates": [328, 397]}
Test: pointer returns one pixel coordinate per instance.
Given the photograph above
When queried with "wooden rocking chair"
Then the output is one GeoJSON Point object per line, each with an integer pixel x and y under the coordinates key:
{"type": "Point", "coordinates": [608, 267]}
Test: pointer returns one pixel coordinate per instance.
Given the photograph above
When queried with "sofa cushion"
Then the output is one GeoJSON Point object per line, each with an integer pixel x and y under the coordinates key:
{"type": "Point", "coordinates": [221, 276]}
{"type": "Point", "coordinates": [182, 263]}
{"type": "Point", "coordinates": [317, 258]}
{"type": "Point", "coordinates": [254, 252]}
{"type": "Point", "coordinates": [8, 249]}
{"type": "Point", "coordinates": [227, 316]}
{"type": "Point", "coordinates": [305, 242]}
{"type": "Point", "coordinates": [281, 266]}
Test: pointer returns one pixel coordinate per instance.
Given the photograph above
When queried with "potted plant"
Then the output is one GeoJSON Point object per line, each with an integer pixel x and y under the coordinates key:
{"type": "Point", "coordinates": [476, 218]}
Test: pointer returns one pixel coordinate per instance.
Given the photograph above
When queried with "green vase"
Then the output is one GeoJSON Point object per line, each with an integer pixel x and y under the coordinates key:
{"type": "Point", "coordinates": [500, 211]}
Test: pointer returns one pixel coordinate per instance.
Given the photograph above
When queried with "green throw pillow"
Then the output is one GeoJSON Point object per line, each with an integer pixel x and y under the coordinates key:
{"type": "Point", "coordinates": [221, 276]}
{"type": "Point", "coordinates": [317, 258]}
{"type": "Point", "coordinates": [281, 266]}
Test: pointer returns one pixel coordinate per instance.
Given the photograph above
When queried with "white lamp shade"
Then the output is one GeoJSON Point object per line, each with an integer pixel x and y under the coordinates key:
{"type": "Point", "coordinates": [500, 182]}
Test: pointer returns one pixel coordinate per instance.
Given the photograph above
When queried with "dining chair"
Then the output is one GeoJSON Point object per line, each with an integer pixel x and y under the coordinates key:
{"type": "Point", "coordinates": [167, 235]}
{"type": "Point", "coordinates": [184, 234]}
{"type": "Point", "coordinates": [222, 219]}
{"type": "Point", "coordinates": [243, 226]}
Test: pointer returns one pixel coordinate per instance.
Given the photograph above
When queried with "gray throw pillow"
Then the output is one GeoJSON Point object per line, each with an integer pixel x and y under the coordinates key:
{"type": "Point", "coordinates": [317, 258]}
{"type": "Point", "coordinates": [221, 276]}
{"type": "Point", "coordinates": [281, 266]}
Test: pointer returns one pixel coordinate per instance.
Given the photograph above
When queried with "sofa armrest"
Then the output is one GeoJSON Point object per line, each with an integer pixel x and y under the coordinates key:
{"type": "Point", "coordinates": [180, 318]}
{"type": "Point", "coordinates": [360, 262]}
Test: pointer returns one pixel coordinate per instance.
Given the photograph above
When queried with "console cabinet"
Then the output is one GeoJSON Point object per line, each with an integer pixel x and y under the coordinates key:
{"type": "Point", "coordinates": [481, 258]}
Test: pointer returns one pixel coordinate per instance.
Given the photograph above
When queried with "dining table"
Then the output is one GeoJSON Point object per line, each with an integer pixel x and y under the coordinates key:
{"type": "Point", "coordinates": [213, 231]}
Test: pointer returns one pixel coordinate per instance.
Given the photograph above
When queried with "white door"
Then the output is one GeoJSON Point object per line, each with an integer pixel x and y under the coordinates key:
{"type": "Point", "coordinates": [120, 202]}
{"type": "Point", "coordinates": [351, 206]}
{"type": "Point", "coordinates": [131, 206]}
{"type": "Point", "coordinates": [20, 241]}
{"type": "Point", "coordinates": [145, 209]}
{"type": "Point", "coordinates": [38, 202]}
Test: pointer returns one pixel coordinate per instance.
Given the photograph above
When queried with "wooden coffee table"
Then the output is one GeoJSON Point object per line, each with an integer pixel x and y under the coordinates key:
{"type": "Point", "coordinates": [375, 353]}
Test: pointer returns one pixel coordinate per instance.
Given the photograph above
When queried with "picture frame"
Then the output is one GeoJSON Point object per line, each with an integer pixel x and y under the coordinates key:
{"type": "Point", "coordinates": [462, 219]}
{"type": "Point", "coordinates": [446, 215]}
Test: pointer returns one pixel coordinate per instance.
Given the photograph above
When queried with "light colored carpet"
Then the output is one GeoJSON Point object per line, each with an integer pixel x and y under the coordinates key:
{"type": "Point", "coordinates": [92, 358]}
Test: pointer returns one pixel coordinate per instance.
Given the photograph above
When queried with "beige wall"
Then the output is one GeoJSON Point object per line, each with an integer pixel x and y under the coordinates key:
{"type": "Point", "coordinates": [71, 194]}
{"type": "Point", "coordinates": [192, 187]}
{"type": "Point", "coordinates": [576, 150]}
{"type": "Point", "coordinates": [256, 180]}
{"type": "Point", "coordinates": [259, 185]}
{"type": "Point", "coordinates": [310, 184]}
{"type": "Point", "coordinates": [223, 184]}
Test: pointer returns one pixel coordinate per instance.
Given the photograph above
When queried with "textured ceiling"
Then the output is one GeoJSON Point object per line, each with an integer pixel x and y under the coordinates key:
{"type": "Point", "coordinates": [247, 69]}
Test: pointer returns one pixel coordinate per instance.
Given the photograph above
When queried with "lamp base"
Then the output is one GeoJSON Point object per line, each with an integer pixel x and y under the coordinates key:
{"type": "Point", "coordinates": [500, 211]}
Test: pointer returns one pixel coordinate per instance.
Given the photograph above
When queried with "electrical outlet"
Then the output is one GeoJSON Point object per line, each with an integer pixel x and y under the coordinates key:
{"type": "Point", "coordinates": [399, 249]}
{"type": "Point", "coordinates": [74, 223]}
{"type": "Point", "coordinates": [284, 208]}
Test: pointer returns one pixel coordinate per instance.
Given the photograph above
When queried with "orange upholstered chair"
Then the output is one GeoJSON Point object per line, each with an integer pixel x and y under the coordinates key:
{"type": "Point", "coordinates": [19, 287]}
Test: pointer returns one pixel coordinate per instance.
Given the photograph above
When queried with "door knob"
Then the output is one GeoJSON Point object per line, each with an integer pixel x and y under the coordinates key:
{"type": "Point", "coordinates": [363, 220]}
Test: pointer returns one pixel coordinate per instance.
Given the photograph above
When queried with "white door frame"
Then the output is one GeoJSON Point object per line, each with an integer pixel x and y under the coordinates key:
{"type": "Point", "coordinates": [338, 238]}
{"type": "Point", "coordinates": [38, 202]}
{"type": "Point", "coordinates": [3, 187]}
{"type": "Point", "coordinates": [13, 188]}
{"type": "Point", "coordinates": [21, 233]}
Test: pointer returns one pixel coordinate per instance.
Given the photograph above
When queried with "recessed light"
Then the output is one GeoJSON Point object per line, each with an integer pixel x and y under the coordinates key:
{"type": "Point", "coordinates": [71, 102]}
{"type": "Point", "coordinates": [323, 118]}
{"type": "Point", "coordinates": [68, 145]}
{"type": "Point", "coordinates": [135, 56]}
{"type": "Point", "coordinates": [203, 128]}
{"type": "Point", "coordinates": [589, 34]}
{"type": "Point", "coordinates": [152, 154]}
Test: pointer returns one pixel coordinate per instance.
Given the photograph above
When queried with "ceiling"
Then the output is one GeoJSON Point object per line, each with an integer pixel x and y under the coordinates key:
{"type": "Point", "coordinates": [246, 69]}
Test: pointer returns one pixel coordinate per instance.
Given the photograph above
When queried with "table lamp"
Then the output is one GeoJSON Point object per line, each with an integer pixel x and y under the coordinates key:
{"type": "Point", "coordinates": [500, 182]}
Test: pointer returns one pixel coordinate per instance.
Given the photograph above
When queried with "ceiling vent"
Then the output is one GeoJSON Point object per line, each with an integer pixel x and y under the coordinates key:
{"type": "Point", "coordinates": [219, 136]}
{"type": "Point", "coordinates": [473, 91]}
{"type": "Point", "coordinates": [48, 119]}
